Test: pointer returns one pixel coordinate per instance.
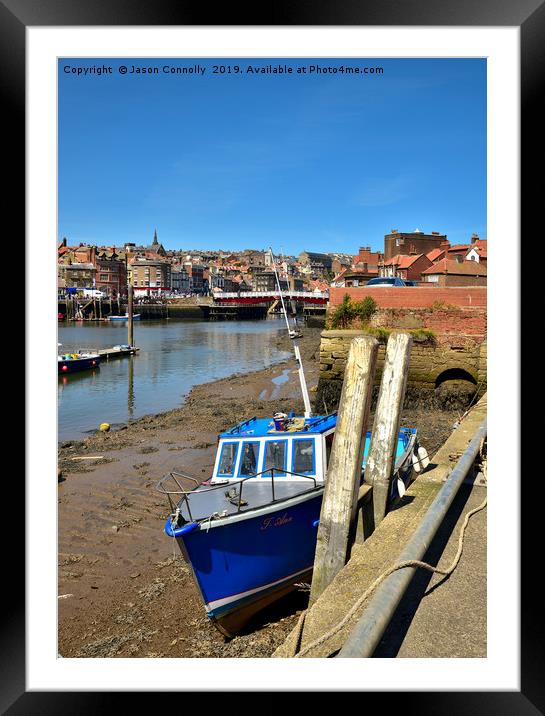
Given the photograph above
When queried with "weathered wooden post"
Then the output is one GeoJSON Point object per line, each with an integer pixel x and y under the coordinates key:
{"type": "Point", "coordinates": [345, 464]}
{"type": "Point", "coordinates": [379, 468]}
{"type": "Point", "coordinates": [129, 314]}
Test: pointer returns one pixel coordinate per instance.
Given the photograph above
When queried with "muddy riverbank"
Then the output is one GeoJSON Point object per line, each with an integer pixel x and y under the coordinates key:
{"type": "Point", "coordinates": [123, 587]}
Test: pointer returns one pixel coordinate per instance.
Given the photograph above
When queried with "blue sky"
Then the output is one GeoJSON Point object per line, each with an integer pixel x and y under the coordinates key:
{"type": "Point", "coordinates": [324, 162]}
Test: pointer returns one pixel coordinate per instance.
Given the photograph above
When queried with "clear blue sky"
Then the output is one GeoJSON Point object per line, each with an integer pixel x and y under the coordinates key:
{"type": "Point", "coordinates": [324, 162]}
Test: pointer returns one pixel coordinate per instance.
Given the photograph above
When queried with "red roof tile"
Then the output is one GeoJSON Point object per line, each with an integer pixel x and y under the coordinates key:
{"type": "Point", "coordinates": [465, 268]}
{"type": "Point", "coordinates": [402, 261]}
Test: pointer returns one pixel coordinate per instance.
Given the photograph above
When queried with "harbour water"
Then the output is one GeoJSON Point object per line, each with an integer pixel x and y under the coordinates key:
{"type": "Point", "coordinates": [174, 356]}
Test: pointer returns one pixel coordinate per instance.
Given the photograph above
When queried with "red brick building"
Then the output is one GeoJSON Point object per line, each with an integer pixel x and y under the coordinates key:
{"type": "Point", "coordinates": [406, 267]}
{"type": "Point", "coordinates": [458, 272]}
{"type": "Point", "coordinates": [417, 242]}
{"type": "Point", "coordinates": [111, 273]}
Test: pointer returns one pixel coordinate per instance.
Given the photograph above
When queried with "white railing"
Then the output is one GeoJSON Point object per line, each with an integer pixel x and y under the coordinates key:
{"type": "Point", "coordinates": [276, 294]}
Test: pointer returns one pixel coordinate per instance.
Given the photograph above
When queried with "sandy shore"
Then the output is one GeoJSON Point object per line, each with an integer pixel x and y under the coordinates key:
{"type": "Point", "coordinates": [124, 589]}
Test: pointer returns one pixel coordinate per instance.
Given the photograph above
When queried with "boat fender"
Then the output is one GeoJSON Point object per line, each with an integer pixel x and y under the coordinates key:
{"type": "Point", "coordinates": [416, 462]}
{"type": "Point", "coordinates": [423, 455]}
{"type": "Point", "coordinates": [400, 487]}
{"type": "Point", "coordinates": [171, 531]}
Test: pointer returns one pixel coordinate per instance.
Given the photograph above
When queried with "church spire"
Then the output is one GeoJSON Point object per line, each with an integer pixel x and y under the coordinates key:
{"type": "Point", "coordinates": [155, 241]}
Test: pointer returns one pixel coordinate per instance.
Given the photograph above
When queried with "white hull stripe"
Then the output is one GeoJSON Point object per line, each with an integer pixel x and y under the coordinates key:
{"type": "Point", "coordinates": [235, 597]}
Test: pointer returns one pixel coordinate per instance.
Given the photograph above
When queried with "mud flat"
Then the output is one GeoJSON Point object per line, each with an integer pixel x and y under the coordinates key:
{"type": "Point", "coordinates": [124, 589]}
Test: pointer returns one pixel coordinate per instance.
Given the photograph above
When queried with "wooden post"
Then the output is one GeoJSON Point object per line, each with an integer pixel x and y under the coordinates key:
{"type": "Point", "coordinates": [339, 504]}
{"type": "Point", "coordinates": [129, 313]}
{"type": "Point", "coordinates": [380, 464]}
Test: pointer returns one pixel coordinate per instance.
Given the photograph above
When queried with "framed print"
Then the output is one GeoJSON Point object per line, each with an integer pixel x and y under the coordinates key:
{"type": "Point", "coordinates": [67, 68]}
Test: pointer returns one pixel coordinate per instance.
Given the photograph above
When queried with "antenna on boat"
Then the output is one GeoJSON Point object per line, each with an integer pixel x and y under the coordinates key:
{"type": "Point", "coordinates": [293, 334]}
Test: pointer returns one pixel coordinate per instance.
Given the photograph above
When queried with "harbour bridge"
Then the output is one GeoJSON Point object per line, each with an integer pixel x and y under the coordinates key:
{"type": "Point", "coordinates": [245, 298]}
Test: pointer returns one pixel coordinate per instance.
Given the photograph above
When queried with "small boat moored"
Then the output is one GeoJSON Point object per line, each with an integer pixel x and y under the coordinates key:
{"type": "Point", "coordinates": [136, 317]}
{"type": "Point", "coordinates": [72, 362]}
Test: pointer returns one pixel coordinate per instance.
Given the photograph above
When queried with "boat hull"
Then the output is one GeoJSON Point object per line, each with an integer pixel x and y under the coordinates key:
{"type": "Point", "coordinates": [136, 317]}
{"type": "Point", "coordinates": [247, 562]}
{"type": "Point", "coordinates": [76, 364]}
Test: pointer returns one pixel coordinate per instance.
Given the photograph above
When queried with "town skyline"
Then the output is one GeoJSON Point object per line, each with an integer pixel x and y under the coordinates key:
{"type": "Point", "coordinates": [309, 163]}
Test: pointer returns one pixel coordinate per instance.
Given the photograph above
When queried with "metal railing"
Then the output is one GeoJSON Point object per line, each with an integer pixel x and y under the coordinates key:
{"type": "Point", "coordinates": [366, 634]}
{"type": "Point", "coordinates": [180, 496]}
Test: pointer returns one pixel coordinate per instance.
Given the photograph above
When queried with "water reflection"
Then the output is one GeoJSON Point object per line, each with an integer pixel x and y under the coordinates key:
{"type": "Point", "coordinates": [174, 356]}
{"type": "Point", "coordinates": [130, 392]}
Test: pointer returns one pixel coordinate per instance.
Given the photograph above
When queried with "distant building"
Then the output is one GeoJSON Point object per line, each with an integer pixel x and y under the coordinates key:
{"type": "Point", "coordinates": [455, 272]}
{"type": "Point", "coordinates": [368, 258]}
{"type": "Point", "coordinates": [352, 278]}
{"type": "Point", "coordinates": [111, 274]}
{"type": "Point", "coordinates": [149, 277]}
{"type": "Point", "coordinates": [76, 275]}
{"type": "Point", "coordinates": [315, 260]}
{"type": "Point", "coordinates": [196, 277]}
{"type": "Point", "coordinates": [417, 242]}
{"type": "Point", "coordinates": [179, 280]}
{"type": "Point", "coordinates": [475, 251]}
{"type": "Point", "coordinates": [266, 281]}
{"type": "Point", "coordinates": [406, 267]}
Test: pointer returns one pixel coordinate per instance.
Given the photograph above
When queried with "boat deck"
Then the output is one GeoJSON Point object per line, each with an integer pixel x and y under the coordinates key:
{"type": "Point", "coordinates": [223, 499]}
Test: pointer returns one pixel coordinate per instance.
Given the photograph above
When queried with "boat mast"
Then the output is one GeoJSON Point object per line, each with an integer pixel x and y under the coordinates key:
{"type": "Point", "coordinates": [293, 334]}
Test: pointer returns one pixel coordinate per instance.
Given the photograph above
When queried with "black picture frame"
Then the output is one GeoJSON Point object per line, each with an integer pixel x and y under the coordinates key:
{"type": "Point", "coordinates": [529, 16]}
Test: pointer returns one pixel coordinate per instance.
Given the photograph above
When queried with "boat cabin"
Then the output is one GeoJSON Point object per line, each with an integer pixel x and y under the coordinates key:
{"type": "Point", "coordinates": [258, 449]}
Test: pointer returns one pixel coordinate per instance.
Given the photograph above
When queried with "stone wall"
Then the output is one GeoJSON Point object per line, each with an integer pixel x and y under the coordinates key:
{"type": "Point", "coordinates": [448, 373]}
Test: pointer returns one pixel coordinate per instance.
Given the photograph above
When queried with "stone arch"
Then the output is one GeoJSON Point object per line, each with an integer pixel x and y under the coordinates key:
{"type": "Point", "coordinates": [454, 374]}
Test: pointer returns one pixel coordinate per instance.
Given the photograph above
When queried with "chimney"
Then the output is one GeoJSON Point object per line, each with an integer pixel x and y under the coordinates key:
{"type": "Point", "coordinates": [474, 238]}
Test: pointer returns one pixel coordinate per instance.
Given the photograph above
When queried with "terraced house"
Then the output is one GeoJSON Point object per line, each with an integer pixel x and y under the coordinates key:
{"type": "Point", "coordinates": [149, 277]}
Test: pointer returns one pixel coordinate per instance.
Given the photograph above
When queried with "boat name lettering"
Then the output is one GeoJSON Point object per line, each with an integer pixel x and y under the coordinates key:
{"type": "Point", "coordinates": [276, 521]}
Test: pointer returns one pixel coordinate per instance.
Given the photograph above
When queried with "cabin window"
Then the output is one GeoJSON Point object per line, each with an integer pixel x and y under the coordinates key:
{"type": "Point", "coordinates": [303, 456]}
{"type": "Point", "coordinates": [276, 456]}
{"type": "Point", "coordinates": [228, 459]}
{"type": "Point", "coordinates": [248, 461]}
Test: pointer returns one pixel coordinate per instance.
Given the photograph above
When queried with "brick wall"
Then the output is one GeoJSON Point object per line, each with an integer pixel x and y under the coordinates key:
{"type": "Point", "coordinates": [414, 296]}
{"type": "Point", "coordinates": [444, 322]}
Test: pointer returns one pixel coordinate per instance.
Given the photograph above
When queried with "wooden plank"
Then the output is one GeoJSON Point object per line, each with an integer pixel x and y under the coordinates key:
{"type": "Point", "coordinates": [339, 504]}
{"type": "Point", "coordinates": [382, 451]}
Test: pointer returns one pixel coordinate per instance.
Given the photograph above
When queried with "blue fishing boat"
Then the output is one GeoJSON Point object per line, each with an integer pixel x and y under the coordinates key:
{"type": "Point", "coordinates": [136, 317]}
{"type": "Point", "coordinates": [72, 362]}
{"type": "Point", "coordinates": [249, 531]}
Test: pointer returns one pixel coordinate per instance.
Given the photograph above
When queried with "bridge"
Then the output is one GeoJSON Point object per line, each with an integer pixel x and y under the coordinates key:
{"type": "Point", "coordinates": [246, 298]}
